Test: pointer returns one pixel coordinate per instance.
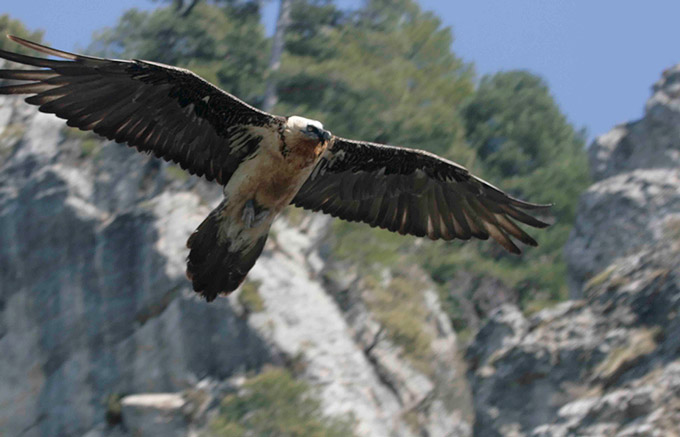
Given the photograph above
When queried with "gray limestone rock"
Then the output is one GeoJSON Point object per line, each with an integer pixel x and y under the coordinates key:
{"type": "Point", "coordinates": [649, 143]}
{"type": "Point", "coordinates": [600, 366]}
{"type": "Point", "coordinates": [635, 202]}
{"type": "Point", "coordinates": [620, 216]}
{"type": "Point", "coordinates": [155, 415]}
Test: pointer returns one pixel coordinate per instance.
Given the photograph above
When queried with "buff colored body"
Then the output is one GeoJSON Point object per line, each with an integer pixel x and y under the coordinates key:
{"type": "Point", "coordinates": [270, 179]}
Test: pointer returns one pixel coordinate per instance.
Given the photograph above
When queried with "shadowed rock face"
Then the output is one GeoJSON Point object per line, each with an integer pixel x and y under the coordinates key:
{"type": "Point", "coordinates": [94, 303]}
{"type": "Point", "coordinates": [607, 364]}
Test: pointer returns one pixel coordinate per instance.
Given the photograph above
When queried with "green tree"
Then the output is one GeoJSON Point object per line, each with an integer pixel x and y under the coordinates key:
{"type": "Point", "coordinates": [521, 141]}
{"type": "Point", "coordinates": [525, 144]}
{"type": "Point", "coordinates": [384, 73]}
{"type": "Point", "coordinates": [224, 42]}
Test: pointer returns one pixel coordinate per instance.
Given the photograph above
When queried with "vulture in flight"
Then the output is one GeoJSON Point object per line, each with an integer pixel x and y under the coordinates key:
{"type": "Point", "coordinates": [264, 162]}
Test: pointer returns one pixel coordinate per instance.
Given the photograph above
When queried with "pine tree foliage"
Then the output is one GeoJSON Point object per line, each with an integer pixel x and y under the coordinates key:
{"type": "Point", "coordinates": [382, 74]}
{"type": "Point", "coordinates": [223, 42]}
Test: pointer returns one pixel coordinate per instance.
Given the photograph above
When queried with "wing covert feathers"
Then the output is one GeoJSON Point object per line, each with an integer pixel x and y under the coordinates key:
{"type": "Point", "coordinates": [414, 192]}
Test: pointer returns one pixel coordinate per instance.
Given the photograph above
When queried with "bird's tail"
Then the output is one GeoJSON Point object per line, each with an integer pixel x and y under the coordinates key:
{"type": "Point", "coordinates": [218, 264]}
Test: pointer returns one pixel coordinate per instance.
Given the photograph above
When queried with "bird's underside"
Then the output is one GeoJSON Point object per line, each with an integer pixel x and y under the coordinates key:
{"type": "Point", "coordinates": [264, 162]}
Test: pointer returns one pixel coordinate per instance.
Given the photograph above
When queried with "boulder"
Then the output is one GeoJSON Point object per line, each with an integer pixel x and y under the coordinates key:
{"type": "Point", "coordinates": [155, 415]}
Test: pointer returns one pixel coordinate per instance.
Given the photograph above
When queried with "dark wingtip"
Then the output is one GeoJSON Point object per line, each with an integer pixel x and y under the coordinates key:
{"type": "Point", "coordinates": [513, 249]}
{"type": "Point", "coordinates": [529, 205]}
{"type": "Point", "coordinates": [23, 42]}
{"type": "Point", "coordinates": [532, 242]}
{"type": "Point", "coordinates": [49, 50]}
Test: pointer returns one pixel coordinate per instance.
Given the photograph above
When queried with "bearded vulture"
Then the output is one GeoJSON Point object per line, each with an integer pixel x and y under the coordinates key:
{"type": "Point", "coordinates": [264, 162]}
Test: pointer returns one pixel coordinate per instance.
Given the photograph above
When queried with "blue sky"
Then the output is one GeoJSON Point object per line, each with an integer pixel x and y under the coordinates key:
{"type": "Point", "coordinates": [600, 57]}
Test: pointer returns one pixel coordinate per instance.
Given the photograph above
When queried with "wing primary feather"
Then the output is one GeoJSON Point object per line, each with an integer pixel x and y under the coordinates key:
{"type": "Point", "coordinates": [501, 197]}
{"type": "Point", "coordinates": [347, 185]}
{"type": "Point", "coordinates": [477, 228]}
{"type": "Point", "coordinates": [46, 50]}
{"type": "Point", "coordinates": [122, 133]}
{"type": "Point", "coordinates": [103, 106]}
{"type": "Point", "coordinates": [365, 210]}
{"type": "Point", "coordinates": [141, 132]}
{"type": "Point", "coordinates": [524, 217]}
{"type": "Point", "coordinates": [457, 207]}
{"type": "Point", "coordinates": [420, 224]}
{"type": "Point", "coordinates": [515, 230]}
{"type": "Point", "coordinates": [481, 211]}
{"type": "Point", "coordinates": [434, 212]}
{"type": "Point", "coordinates": [81, 91]}
{"type": "Point", "coordinates": [387, 212]}
{"type": "Point", "coordinates": [528, 205]}
{"type": "Point", "coordinates": [374, 210]}
{"type": "Point", "coordinates": [27, 74]}
{"type": "Point", "coordinates": [65, 80]}
{"type": "Point", "coordinates": [409, 215]}
{"type": "Point", "coordinates": [502, 238]}
{"type": "Point", "coordinates": [119, 115]}
{"type": "Point", "coordinates": [26, 88]}
{"type": "Point", "coordinates": [30, 60]}
{"type": "Point", "coordinates": [446, 214]}
{"type": "Point", "coordinates": [492, 226]}
{"type": "Point", "coordinates": [98, 104]}
{"type": "Point", "coordinates": [405, 213]}
{"type": "Point", "coordinates": [490, 205]}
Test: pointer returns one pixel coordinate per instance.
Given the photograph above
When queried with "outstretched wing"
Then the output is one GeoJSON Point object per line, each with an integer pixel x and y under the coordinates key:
{"type": "Point", "coordinates": [156, 108]}
{"type": "Point", "coordinates": [413, 192]}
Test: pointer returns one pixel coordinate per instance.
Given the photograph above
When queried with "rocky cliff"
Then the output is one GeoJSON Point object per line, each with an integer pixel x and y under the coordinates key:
{"type": "Point", "coordinates": [95, 308]}
{"type": "Point", "coordinates": [609, 363]}
{"type": "Point", "coordinates": [635, 198]}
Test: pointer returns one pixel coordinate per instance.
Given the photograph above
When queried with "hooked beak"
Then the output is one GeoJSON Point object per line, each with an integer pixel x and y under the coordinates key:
{"type": "Point", "coordinates": [326, 135]}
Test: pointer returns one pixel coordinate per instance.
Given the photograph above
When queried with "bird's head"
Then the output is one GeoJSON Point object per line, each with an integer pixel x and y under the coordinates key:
{"type": "Point", "coordinates": [305, 128]}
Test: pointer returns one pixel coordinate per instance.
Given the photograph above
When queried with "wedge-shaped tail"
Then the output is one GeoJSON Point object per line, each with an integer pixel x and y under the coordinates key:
{"type": "Point", "coordinates": [217, 264]}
